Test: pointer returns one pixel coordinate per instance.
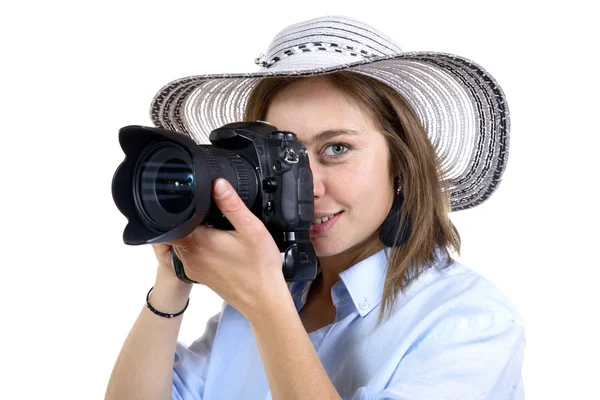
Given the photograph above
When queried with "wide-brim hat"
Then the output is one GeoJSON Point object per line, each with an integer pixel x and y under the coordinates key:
{"type": "Point", "coordinates": [461, 106]}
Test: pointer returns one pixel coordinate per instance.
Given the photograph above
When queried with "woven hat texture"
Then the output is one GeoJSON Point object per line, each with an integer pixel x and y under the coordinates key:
{"type": "Point", "coordinates": [461, 106]}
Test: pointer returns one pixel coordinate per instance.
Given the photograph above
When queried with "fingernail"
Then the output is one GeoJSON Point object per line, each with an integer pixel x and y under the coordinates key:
{"type": "Point", "coordinates": [221, 188]}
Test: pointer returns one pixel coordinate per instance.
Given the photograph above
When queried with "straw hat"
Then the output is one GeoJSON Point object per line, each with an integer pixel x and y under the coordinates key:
{"type": "Point", "coordinates": [461, 106]}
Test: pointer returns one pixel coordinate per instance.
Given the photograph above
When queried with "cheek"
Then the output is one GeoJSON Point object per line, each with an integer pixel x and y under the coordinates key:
{"type": "Point", "coordinates": [371, 189]}
{"type": "Point", "coordinates": [362, 185]}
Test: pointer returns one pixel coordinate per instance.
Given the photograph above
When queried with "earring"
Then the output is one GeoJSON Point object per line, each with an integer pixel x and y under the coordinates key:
{"type": "Point", "coordinates": [391, 224]}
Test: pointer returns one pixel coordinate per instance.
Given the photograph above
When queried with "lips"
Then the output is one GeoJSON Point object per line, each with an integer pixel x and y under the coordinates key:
{"type": "Point", "coordinates": [319, 229]}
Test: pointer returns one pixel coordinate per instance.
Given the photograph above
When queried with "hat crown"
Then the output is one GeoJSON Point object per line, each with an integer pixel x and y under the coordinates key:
{"type": "Point", "coordinates": [324, 42]}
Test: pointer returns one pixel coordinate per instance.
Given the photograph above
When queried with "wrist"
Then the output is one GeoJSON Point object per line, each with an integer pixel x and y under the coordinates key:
{"type": "Point", "coordinates": [277, 300]}
{"type": "Point", "coordinates": [170, 294]}
{"type": "Point", "coordinates": [168, 279]}
{"type": "Point", "coordinates": [164, 314]}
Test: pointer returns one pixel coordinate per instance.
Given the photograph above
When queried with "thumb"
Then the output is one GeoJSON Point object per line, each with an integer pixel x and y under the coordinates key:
{"type": "Point", "coordinates": [234, 209]}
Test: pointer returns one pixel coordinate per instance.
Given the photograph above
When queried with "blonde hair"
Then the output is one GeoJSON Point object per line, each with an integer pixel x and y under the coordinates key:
{"type": "Point", "coordinates": [412, 158]}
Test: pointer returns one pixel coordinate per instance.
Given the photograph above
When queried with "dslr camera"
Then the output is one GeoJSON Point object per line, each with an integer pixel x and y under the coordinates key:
{"type": "Point", "coordinates": [163, 187]}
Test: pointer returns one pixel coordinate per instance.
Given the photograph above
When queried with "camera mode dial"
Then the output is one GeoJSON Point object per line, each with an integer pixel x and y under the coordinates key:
{"type": "Point", "coordinates": [277, 135]}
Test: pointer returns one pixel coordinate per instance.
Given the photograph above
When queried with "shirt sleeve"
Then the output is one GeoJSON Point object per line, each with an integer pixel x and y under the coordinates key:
{"type": "Point", "coordinates": [191, 364]}
{"type": "Point", "coordinates": [465, 355]}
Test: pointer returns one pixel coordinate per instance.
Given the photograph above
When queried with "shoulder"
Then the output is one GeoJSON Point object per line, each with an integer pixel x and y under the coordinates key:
{"type": "Point", "coordinates": [453, 327]}
{"type": "Point", "coordinates": [461, 297]}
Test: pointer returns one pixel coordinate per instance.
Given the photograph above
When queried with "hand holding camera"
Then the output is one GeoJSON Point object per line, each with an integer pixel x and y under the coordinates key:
{"type": "Point", "coordinates": [163, 187]}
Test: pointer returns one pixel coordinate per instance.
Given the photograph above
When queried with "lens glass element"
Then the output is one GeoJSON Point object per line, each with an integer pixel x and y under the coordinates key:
{"type": "Point", "coordinates": [173, 185]}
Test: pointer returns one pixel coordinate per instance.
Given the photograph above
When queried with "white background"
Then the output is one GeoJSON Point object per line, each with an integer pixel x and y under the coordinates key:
{"type": "Point", "coordinates": [73, 73]}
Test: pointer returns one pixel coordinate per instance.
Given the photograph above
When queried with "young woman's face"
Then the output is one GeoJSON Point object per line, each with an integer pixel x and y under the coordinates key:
{"type": "Point", "coordinates": [348, 158]}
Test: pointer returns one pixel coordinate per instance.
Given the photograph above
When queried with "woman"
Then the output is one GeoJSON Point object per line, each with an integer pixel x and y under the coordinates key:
{"type": "Point", "coordinates": [395, 141]}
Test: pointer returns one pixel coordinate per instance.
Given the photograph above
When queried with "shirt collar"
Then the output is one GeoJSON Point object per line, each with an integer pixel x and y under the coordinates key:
{"type": "Point", "coordinates": [365, 280]}
{"type": "Point", "coordinates": [363, 283]}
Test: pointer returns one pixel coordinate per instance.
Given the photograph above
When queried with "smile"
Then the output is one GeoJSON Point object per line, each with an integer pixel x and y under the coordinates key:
{"type": "Point", "coordinates": [320, 220]}
{"type": "Point", "coordinates": [323, 224]}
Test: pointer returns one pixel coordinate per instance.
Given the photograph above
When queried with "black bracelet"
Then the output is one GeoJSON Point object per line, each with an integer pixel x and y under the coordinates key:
{"type": "Point", "coordinates": [162, 314]}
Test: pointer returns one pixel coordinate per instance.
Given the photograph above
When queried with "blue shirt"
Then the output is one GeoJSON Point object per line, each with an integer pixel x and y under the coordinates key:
{"type": "Point", "coordinates": [453, 335]}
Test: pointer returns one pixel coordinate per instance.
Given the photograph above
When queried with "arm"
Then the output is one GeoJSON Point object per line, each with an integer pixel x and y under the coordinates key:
{"type": "Point", "coordinates": [292, 366]}
{"type": "Point", "coordinates": [220, 259]}
{"type": "Point", "coordinates": [144, 368]}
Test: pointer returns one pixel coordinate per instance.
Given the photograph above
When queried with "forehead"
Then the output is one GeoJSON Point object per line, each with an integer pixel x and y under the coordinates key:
{"type": "Point", "coordinates": [317, 111]}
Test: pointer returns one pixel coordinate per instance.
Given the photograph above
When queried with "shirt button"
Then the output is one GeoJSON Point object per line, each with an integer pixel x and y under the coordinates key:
{"type": "Point", "coordinates": [364, 306]}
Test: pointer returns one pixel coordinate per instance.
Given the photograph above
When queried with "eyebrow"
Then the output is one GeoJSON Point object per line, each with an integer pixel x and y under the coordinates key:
{"type": "Point", "coordinates": [331, 133]}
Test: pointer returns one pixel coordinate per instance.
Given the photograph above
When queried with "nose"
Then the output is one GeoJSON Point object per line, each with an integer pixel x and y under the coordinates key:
{"type": "Point", "coordinates": [318, 182]}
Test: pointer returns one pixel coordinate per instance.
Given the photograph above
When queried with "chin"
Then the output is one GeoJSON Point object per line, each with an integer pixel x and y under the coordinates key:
{"type": "Point", "coordinates": [329, 247]}
{"type": "Point", "coordinates": [325, 248]}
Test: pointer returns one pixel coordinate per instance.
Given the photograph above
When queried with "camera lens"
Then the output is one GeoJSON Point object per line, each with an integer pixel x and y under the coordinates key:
{"type": "Point", "coordinates": [165, 186]}
{"type": "Point", "coordinates": [174, 186]}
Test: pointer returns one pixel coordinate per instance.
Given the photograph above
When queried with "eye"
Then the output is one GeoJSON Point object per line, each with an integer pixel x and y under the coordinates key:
{"type": "Point", "coordinates": [338, 149]}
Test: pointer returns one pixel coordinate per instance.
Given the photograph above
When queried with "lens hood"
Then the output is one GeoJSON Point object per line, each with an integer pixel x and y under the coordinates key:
{"type": "Point", "coordinates": [134, 141]}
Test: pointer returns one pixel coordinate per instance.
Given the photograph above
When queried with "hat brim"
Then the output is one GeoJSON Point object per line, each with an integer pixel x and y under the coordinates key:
{"type": "Point", "coordinates": [461, 106]}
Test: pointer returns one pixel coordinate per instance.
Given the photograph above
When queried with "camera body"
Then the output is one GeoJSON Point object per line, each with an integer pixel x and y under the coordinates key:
{"type": "Point", "coordinates": [285, 199]}
{"type": "Point", "coordinates": [163, 187]}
